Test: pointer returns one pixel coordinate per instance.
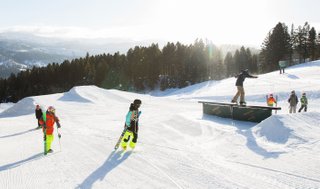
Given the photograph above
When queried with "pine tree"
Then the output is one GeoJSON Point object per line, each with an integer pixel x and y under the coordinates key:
{"type": "Point", "coordinates": [312, 44]}
{"type": "Point", "coordinates": [301, 36]}
{"type": "Point", "coordinates": [276, 47]}
{"type": "Point", "coordinates": [230, 65]}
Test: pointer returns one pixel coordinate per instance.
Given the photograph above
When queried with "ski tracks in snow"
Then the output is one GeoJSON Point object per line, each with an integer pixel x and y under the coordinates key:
{"type": "Point", "coordinates": [160, 170]}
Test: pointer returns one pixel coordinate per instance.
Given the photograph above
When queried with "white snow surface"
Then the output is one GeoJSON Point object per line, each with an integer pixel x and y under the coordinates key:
{"type": "Point", "coordinates": [178, 146]}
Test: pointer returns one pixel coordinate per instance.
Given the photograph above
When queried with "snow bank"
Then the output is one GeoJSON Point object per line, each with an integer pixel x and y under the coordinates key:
{"type": "Point", "coordinates": [23, 107]}
{"type": "Point", "coordinates": [4, 106]}
{"type": "Point", "coordinates": [289, 129]}
{"type": "Point", "coordinates": [74, 96]}
{"type": "Point", "coordinates": [91, 94]}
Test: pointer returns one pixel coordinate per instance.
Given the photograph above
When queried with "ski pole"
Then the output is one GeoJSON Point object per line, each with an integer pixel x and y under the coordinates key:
{"type": "Point", "coordinates": [276, 103]}
{"type": "Point", "coordinates": [59, 136]}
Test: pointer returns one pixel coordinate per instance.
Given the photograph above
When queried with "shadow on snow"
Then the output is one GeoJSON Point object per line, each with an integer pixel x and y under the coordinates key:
{"type": "Point", "coordinates": [21, 162]}
{"type": "Point", "coordinates": [17, 134]}
{"type": "Point", "coordinates": [244, 129]}
{"type": "Point", "coordinates": [114, 159]}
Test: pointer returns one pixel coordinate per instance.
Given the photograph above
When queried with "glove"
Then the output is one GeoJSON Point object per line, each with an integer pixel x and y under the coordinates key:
{"type": "Point", "coordinates": [137, 118]}
{"type": "Point", "coordinates": [58, 125]}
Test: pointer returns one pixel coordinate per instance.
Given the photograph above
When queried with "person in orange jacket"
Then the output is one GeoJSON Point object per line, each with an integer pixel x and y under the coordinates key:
{"type": "Point", "coordinates": [271, 101]}
{"type": "Point", "coordinates": [48, 120]}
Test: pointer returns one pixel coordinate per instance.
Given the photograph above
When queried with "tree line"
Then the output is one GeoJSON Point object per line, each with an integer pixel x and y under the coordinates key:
{"type": "Point", "coordinates": [295, 46]}
{"type": "Point", "coordinates": [176, 65]}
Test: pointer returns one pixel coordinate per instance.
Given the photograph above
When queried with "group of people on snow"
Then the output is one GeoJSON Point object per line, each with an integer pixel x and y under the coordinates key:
{"type": "Point", "coordinates": [293, 101]}
{"type": "Point", "coordinates": [271, 101]}
{"type": "Point", "coordinates": [47, 119]}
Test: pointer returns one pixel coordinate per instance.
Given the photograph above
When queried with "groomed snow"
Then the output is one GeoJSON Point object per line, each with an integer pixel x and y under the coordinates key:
{"type": "Point", "coordinates": [178, 146]}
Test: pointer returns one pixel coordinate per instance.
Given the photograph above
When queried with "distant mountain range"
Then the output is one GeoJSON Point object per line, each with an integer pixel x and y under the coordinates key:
{"type": "Point", "coordinates": [20, 51]}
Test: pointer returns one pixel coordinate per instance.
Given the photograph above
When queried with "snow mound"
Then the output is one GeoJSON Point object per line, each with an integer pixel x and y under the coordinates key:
{"type": "Point", "coordinates": [91, 94]}
{"type": "Point", "coordinates": [74, 96]}
{"type": "Point", "coordinates": [23, 107]}
{"type": "Point", "coordinates": [5, 106]}
{"type": "Point", "coordinates": [289, 129]}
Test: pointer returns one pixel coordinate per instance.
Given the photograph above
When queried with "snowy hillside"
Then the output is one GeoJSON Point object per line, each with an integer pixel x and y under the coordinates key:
{"type": "Point", "coordinates": [178, 146]}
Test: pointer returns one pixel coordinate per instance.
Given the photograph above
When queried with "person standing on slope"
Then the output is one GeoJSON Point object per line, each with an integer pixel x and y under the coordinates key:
{"type": "Point", "coordinates": [48, 120]}
{"type": "Point", "coordinates": [293, 100]}
{"type": "Point", "coordinates": [38, 113]}
{"type": "Point", "coordinates": [239, 83]}
{"type": "Point", "coordinates": [132, 124]}
{"type": "Point", "coordinates": [271, 101]}
{"type": "Point", "coordinates": [304, 102]}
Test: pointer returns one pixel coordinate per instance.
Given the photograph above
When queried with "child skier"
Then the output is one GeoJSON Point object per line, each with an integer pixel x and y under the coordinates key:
{"type": "Point", "coordinates": [48, 120]}
{"type": "Point", "coordinates": [132, 124]}
{"type": "Point", "coordinates": [304, 102]}
{"type": "Point", "coordinates": [38, 112]}
{"type": "Point", "coordinates": [271, 101]}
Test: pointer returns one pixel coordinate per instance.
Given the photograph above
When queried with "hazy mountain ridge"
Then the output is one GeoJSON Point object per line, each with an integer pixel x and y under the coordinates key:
{"type": "Point", "coordinates": [24, 50]}
{"type": "Point", "coordinates": [19, 54]}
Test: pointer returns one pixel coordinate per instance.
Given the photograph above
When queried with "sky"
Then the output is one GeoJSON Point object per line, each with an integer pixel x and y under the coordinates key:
{"type": "Point", "coordinates": [245, 22]}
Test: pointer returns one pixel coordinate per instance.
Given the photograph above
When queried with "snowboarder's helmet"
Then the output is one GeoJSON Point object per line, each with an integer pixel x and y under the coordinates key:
{"type": "Point", "coordinates": [303, 94]}
{"type": "Point", "coordinates": [51, 109]}
{"type": "Point", "coordinates": [37, 106]}
{"type": "Point", "coordinates": [292, 92]}
{"type": "Point", "coordinates": [271, 95]}
{"type": "Point", "coordinates": [137, 102]}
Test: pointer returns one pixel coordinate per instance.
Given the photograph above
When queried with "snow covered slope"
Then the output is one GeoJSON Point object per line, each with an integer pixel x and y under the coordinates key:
{"type": "Point", "coordinates": [178, 146]}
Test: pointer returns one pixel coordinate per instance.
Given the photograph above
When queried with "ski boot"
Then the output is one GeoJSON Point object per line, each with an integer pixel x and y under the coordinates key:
{"type": "Point", "coordinates": [243, 103]}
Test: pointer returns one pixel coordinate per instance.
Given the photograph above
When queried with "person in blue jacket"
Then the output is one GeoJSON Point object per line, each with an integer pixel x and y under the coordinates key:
{"type": "Point", "coordinates": [132, 124]}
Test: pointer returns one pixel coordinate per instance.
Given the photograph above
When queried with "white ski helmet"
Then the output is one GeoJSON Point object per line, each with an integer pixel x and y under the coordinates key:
{"type": "Point", "coordinates": [51, 109]}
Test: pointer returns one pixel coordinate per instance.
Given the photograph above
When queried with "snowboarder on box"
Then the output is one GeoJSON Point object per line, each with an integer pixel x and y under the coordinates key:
{"type": "Point", "coordinates": [239, 83]}
{"type": "Point", "coordinates": [293, 100]}
{"type": "Point", "coordinates": [304, 102]}
{"type": "Point", "coordinates": [271, 101]}
{"type": "Point", "coordinates": [132, 124]}
{"type": "Point", "coordinates": [38, 113]}
{"type": "Point", "coordinates": [48, 120]}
